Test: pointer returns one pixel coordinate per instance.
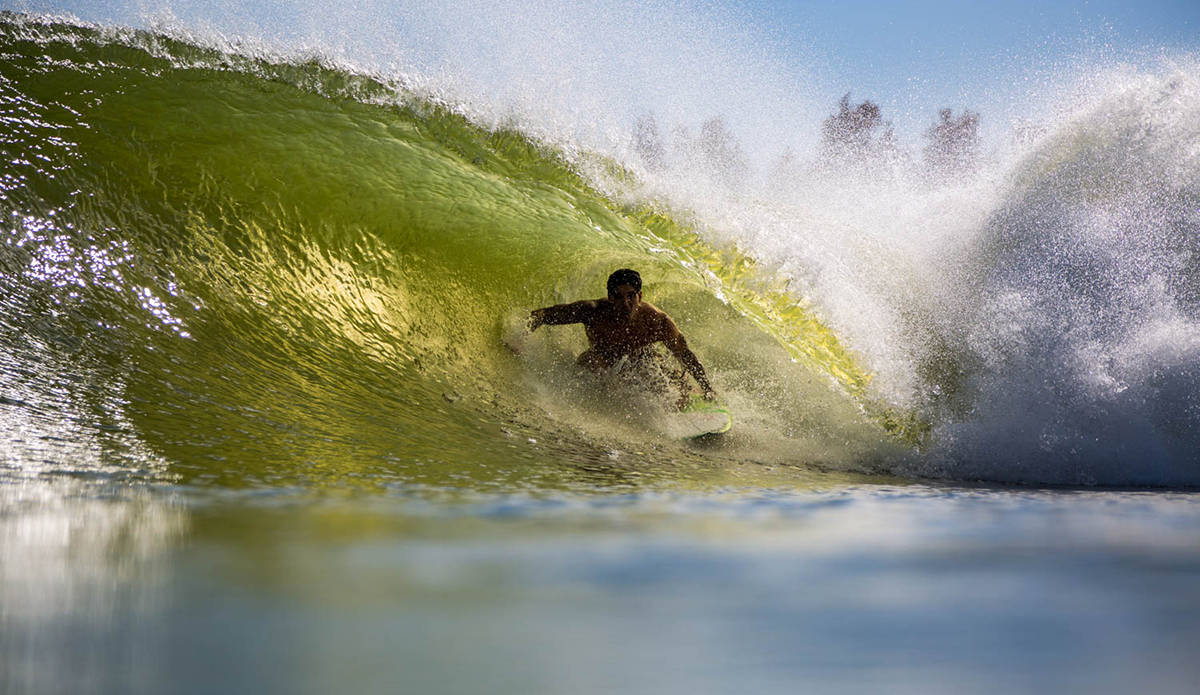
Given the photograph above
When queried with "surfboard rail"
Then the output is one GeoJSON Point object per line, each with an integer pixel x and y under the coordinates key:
{"type": "Point", "coordinates": [700, 418]}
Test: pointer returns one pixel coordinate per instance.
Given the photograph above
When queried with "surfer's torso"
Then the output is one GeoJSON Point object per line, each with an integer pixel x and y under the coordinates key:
{"type": "Point", "coordinates": [612, 336]}
{"type": "Point", "coordinates": [622, 326]}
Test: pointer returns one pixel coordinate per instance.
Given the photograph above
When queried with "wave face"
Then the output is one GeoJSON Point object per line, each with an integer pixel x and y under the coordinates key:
{"type": "Point", "coordinates": [251, 271]}
{"type": "Point", "coordinates": [284, 274]}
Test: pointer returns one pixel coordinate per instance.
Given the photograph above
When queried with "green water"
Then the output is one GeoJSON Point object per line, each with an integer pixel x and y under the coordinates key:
{"type": "Point", "coordinates": [269, 422]}
{"type": "Point", "coordinates": [309, 279]}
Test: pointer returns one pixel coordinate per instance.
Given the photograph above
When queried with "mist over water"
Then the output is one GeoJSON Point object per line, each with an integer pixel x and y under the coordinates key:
{"type": "Point", "coordinates": [1040, 311]}
{"type": "Point", "coordinates": [576, 75]}
{"type": "Point", "coordinates": [1081, 314]}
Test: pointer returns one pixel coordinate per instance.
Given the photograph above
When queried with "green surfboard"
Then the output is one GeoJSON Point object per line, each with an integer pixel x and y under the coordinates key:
{"type": "Point", "coordinates": [700, 418]}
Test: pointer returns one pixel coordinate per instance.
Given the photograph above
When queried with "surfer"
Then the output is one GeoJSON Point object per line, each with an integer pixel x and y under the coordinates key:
{"type": "Point", "coordinates": [623, 327]}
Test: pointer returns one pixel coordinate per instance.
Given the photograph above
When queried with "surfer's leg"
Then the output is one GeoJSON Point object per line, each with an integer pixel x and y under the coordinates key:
{"type": "Point", "coordinates": [655, 374]}
{"type": "Point", "coordinates": [591, 361]}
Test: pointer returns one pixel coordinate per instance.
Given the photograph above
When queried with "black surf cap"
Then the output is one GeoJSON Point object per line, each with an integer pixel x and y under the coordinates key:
{"type": "Point", "coordinates": [624, 276]}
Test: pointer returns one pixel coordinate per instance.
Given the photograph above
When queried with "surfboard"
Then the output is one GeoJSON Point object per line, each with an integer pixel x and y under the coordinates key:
{"type": "Point", "coordinates": [700, 418]}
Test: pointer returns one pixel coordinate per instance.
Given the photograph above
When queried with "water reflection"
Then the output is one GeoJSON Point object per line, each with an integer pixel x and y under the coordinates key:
{"type": "Point", "coordinates": [78, 576]}
{"type": "Point", "coordinates": [852, 589]}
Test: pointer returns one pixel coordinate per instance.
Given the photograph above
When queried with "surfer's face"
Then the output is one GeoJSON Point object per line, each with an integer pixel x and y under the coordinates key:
{"type": "Point", "coordinates": [625, 299]}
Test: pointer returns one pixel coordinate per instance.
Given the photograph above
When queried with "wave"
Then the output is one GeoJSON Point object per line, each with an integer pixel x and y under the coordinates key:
{"type": "Point", "coordinates": [257, 270]}
{"type": "Point", "coordinates": [287, 272]}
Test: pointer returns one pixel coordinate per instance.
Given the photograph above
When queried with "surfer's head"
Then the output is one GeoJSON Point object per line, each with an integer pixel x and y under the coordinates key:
{"type": "Point", "coordinates": [625, 290]}
{"type": "Point", "coordinates": [624, 276]}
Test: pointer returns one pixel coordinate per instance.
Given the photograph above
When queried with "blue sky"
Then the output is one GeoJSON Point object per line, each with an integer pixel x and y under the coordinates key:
{"type": "Point", "coordinates": [909, 55]}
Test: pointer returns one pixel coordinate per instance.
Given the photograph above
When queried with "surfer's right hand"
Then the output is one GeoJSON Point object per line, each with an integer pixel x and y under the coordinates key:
{"type": "Point", "coordinates": [535, 320]}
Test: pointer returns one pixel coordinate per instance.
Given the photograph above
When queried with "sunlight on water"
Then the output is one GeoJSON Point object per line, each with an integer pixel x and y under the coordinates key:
{"type": "Point", "coordinates": [270, 420]}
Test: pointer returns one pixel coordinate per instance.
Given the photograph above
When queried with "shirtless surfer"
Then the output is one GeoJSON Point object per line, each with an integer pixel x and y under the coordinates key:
{"type": "Point", "coordinates": [623, 326]}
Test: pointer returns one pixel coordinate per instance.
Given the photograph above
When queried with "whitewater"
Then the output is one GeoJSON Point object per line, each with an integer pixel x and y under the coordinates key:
{"type": "Point", "coordinates": [265, 378]}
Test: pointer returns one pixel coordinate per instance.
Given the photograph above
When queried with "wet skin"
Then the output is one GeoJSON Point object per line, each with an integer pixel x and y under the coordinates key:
{"type": "Point", "coordinates": [622, 325]}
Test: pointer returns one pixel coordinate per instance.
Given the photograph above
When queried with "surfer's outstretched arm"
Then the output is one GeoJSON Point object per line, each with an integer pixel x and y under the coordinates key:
{"type": "Point", "coordinates": [678, 346]}
{"type": "Point", "coordinates": [559, 314]}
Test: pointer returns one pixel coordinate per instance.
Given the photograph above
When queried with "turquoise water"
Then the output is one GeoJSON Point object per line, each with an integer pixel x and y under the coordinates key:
{"type": "Point", "coordinates": [271, 422]}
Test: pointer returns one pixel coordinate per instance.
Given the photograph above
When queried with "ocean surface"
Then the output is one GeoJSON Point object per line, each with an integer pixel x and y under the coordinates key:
{"type": "Point", "coordinates": [272, 422]}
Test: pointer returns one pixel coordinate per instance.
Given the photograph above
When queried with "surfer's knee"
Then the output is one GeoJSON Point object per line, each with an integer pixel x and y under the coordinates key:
{"type": "Point", "coordinates": [590, 361]}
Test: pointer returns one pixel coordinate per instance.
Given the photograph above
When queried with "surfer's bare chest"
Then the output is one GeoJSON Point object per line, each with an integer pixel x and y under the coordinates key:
{"type": "Point", "coordinates": [616, 337]}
